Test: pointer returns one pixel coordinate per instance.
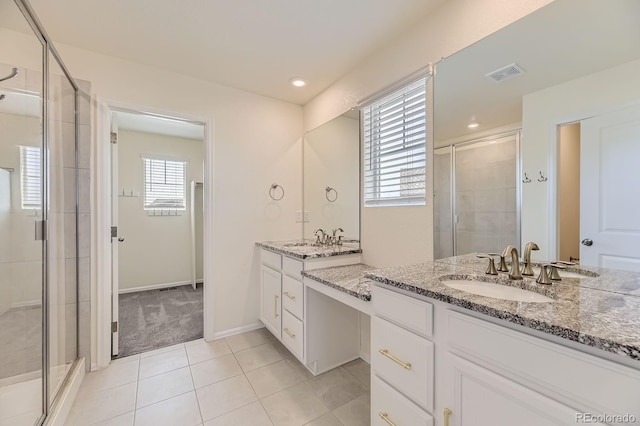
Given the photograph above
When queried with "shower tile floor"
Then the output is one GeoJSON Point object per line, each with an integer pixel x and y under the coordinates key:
{"type": "Point", "coordinates": [246, 379]}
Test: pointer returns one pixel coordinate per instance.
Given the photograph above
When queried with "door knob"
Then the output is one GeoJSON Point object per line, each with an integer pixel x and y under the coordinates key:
{"type": "Point", "coordinates": [120, 239]}
{"type": "Point", "coordinates": [587, 242]}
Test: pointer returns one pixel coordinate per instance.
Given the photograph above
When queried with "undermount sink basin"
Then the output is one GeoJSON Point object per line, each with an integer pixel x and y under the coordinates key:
{"type": "Point", "coordinates": [496, 290]}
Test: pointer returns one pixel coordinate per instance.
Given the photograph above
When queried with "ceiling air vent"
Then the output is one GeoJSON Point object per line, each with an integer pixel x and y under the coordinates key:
{"type": "Point", "coordinates": [505, 73]}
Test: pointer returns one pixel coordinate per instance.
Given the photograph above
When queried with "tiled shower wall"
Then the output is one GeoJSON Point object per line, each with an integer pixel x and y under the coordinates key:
{"type": "Point", "coordinates": [485, 196]}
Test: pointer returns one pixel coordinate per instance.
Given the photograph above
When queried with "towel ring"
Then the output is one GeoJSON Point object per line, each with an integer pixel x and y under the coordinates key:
{"type": "Point", "coordinates": [273, 191]}
{"type": "Point", "coordinates": [328, 191]}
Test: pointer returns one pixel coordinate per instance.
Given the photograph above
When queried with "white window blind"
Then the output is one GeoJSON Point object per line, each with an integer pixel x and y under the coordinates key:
{"type": "Point", "coordinates": [164, 184]}
{"type": "Point", "coordinates": [30, 187]}
{"type": "Point", "coordinates": [394, 132]}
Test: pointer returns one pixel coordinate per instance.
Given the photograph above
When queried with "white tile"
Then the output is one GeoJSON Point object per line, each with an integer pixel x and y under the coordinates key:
{"type": "Point", "coordinates": [337, 387]}
{"type": "Point", "coordinates": [215, 370]}
{"type": "Point", "coordinates": [199, 350]}
{"type": "Point", "coordinates": [122, 420]}
{"type": "Point", "coordinates": [161, 363]}
{"type": "Point", "coordinates": [20, 398]}
{"type": "Point", "coordinates": [258, 356]}
{"type": "Point", "coordinates": [164, 386]}
{"type": "Point", "coordinates": [116, 374]}
{"type": "Point", "coordinates": [356, 412]}
{"type": "Point", "coordinates": [224, 397]}
{"type": "Point", "coordinates": [180, 410]}
{"type": "Point", "coordinates": [24, 419]}
{"type": "Point", "coordinates": [249, 339]}
{"type": "Point", "coordinates": [273, 378]}
{"type": "Point", "coordinates": [294, 406]}
{"type": "Point", "coordinates": [103, 405]}
{"type": "Point", "coordinates": [162, 350]}
{"type": "Point", "coordinates": [327, 420]}
{"type": "Point", "coordinates": [252, 414]}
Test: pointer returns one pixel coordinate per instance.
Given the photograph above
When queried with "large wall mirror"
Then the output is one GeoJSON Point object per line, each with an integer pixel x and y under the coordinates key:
{"type": "Point", "coordinates": [549, 108]}
{"type": "Point", "coordinates": [331, 177]}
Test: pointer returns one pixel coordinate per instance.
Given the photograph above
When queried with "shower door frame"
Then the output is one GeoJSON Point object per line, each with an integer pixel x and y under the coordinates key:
{"type": "Point", "coordinates": [101, 227]}
{"type": "Point", "coordinates": [517, 133]}
{"type": "Point", "coordinates": [48, 49]}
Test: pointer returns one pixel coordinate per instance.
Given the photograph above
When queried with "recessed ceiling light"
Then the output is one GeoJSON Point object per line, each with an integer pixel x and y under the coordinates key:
{"type": "Point", "coordinates": [473, 125]}
{"type": "Point", "coordinates": [297, 82]}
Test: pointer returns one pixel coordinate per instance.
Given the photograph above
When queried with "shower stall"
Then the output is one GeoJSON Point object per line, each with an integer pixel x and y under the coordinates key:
{"type": "Point", "coordinates": [39, 205]}
{"type": "Point", "coordinates": [477, 195]}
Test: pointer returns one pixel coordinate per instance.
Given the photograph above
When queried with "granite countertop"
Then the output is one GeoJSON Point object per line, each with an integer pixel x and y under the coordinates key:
{"type": "Point", "coordinates": [348, 279]}
{"type": "Point", "coordinates": [602, 311]}
{"type": "Point", "coordinates": [307, 249]}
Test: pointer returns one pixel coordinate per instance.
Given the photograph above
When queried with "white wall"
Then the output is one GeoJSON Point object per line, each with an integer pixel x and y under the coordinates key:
{"type": "Point", "coordinates": [543, 111]}
{"type": "Point", "coordinates": [568, 192]}
{"type": "Point", "coordinates": [331, 158]}
{"type": "Point", "coordinates": [157, 249]}
{"type": "Point", "coordinates": [402, 235]}
{"type": "Point", "coordinates": [257, 141]}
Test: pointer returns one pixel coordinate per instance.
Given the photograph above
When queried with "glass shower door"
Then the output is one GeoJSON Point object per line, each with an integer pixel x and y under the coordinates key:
{"type": "Point", "coordinates": [486, 195]}
{"type": "Point", "coordinates": [21, 207]}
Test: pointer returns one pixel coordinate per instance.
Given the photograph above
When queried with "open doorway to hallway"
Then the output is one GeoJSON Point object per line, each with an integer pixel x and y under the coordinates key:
{"type": "Point", "coordinates": [157, 224]}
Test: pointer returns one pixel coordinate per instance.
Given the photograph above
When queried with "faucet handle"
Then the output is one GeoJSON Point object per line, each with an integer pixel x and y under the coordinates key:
{"type": "Point", "coordinates": [491, 268]}
{"type": "Point", "coordinates": [549, 272]}
{"type": "Point", "coordinates": [558, 264]}
{"type": "Point", "coordinates": [503, 263]}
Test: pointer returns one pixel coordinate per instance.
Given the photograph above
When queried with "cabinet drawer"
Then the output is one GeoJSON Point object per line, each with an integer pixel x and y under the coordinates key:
{"type": "Point", "coordinates": [387, 402]}
{"type": "Point", "coordinates": [271, 259]}
{"type": "Point", "coordinates": [292, 296]}
{"type": "Point", "coordinates": [414, 314]}
{"type": "Point", "coordinates": [292, 333]}
{"type": "Point", "coordinates": [404, 360]}
{"type": "Point", "coordinates": [292, 267]}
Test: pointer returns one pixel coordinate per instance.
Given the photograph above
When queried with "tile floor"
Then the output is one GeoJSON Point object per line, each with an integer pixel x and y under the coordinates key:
{"type": "Point", "coordinates": [246, 379]}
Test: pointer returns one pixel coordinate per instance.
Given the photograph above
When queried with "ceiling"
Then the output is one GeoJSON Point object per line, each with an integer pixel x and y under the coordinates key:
{"type": "Point", "coordinates": [150, 123]}
{"type": "Point", "coordinates": [253, 45]}
{"type": "Point", "coordinates": [562, 41]}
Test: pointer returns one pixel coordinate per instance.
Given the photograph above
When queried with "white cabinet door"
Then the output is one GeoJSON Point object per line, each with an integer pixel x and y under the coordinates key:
{"type": "Point", "coordinates": [271, 309]}
{"type": "Point", "coordinates": [484, 398]}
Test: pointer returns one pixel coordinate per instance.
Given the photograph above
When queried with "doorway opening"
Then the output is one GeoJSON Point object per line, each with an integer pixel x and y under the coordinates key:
{"type": "Point", "coordinates": [157, 209]}
{"type": "Point", "coordinates": [569, 192]}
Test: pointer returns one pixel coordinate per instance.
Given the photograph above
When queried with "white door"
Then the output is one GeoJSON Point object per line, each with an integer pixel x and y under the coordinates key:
{"type": "Point", "coordinates": [115, 238]}
{"type": "Point", "coordinates": [609, 190]}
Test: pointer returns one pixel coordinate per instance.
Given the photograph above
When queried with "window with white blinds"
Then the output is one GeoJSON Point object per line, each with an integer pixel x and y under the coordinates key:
{"type": "Point", "coordinates": [164, 184]}
{"type": "Point", "coordinates": [394, 132]}
{"type": "Point", "coordinates": [30, 176]}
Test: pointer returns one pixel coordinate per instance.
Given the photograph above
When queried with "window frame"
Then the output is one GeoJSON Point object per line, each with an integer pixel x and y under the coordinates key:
{"type": "Point", "coordinates": [408, 145]}
{"type": "Point", "coordinates": [152, 205]}
{"type": "Point", "coordinates": [27, 177]}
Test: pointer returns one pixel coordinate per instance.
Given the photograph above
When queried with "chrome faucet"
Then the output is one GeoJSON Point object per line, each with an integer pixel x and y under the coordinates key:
{"type": "Point", "coordinates": [336, 240]}
{"type": "Point", "coordinates": [514, 273]}
{"type": "Point", "coordinates": [526, 258]}
{"type": "Point", "coordinates": [320, 240]}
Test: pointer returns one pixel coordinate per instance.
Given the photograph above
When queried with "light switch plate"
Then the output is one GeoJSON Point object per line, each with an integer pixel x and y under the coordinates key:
{"type": "Point", "coordinates": [305, 215]}
{"type": "Point", "coordinates": [298, 216]}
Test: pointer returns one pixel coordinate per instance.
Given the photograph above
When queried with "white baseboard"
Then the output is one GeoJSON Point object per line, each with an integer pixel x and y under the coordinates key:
{"type": "Point", "coordinates": [20, 378]}
{"type": "Point", "coordinates": [238, 330]}
{"type": "Point", "coordinates": [366, 357]}
{"type": "Point", "coordinates": [26, 304]}
{"type": "Point", "coordinates": [156, 286]}
{"type": "Point", "coordinates": [67, 396]}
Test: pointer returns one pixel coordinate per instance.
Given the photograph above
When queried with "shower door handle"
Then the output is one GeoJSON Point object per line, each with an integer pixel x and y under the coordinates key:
{"type": "Point", "coordinates": [120, 239]}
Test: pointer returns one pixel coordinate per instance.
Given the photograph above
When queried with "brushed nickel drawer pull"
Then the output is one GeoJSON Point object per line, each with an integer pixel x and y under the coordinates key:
{"type": "Point", "coordinates": [385, 417]}
{"type": "Point", "coordinates": [385, 352]}
{"type": "Point", "coordinates": [286, 293]}
{"type": "Point", "coordinates": [293, 336]}
{"type": "Point", "coordinates": [275, 306]}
